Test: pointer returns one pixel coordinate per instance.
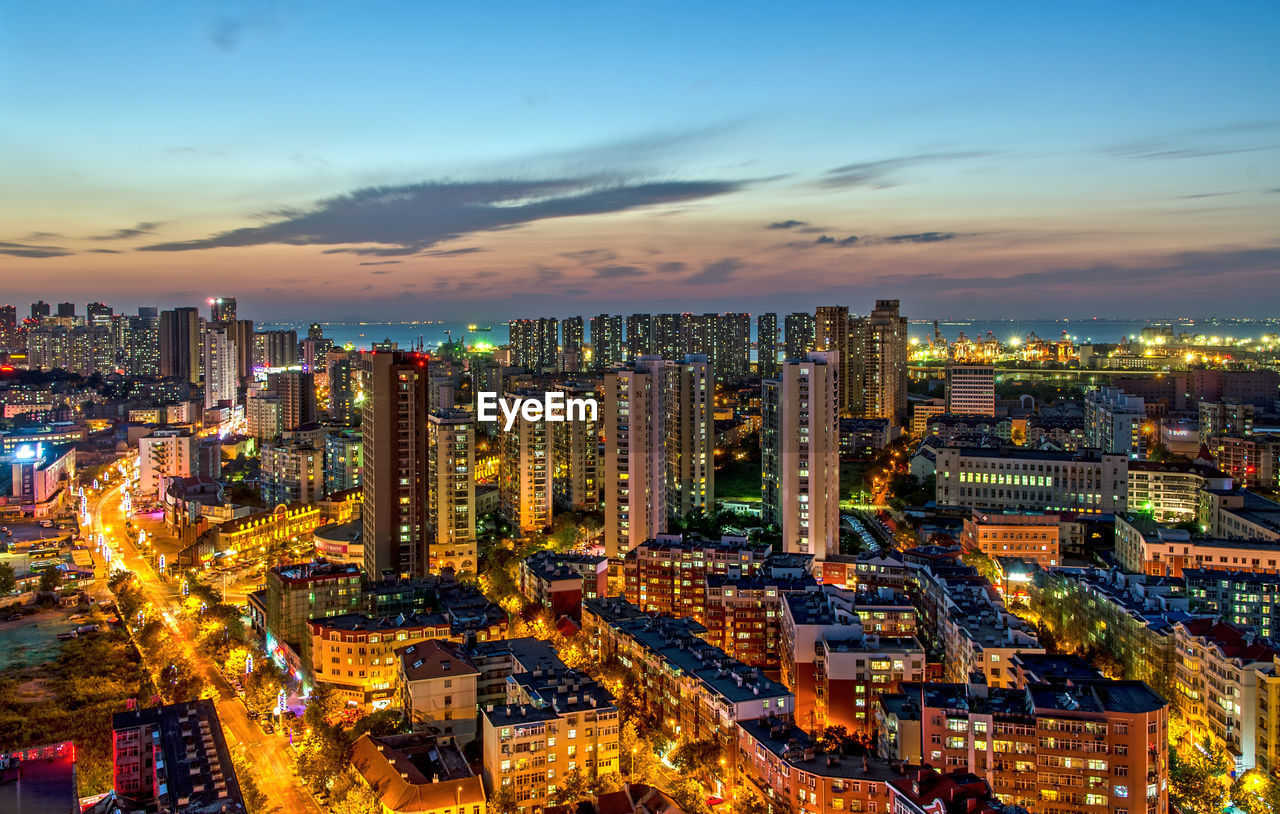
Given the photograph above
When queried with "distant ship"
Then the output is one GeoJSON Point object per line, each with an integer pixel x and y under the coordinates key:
{"type": "Point", "coordinates": [473, 328]}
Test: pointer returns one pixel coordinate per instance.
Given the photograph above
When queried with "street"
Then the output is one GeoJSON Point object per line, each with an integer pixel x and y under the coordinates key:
{"type": "Point", "coordinates": [267, 755]}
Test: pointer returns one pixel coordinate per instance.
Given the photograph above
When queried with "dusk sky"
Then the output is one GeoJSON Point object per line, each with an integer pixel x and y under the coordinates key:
{"type": "Point", "coordinates": [425, 160]}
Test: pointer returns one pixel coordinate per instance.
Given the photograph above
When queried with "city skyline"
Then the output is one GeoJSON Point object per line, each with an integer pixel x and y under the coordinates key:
{"type": "Point", "coordinates": [1089, 162]}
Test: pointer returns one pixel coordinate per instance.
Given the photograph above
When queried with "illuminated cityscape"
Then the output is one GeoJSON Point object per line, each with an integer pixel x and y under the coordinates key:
{"type": "Point", "coordinates": [640, 410]}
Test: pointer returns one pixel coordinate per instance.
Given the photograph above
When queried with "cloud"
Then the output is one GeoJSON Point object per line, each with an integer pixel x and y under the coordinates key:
{"type": "Point", "coordinates": [455, 252]}
{"type": "Point", "coordinates": [380, 263]}
{"type": "Point", "coordinates": [143, 228]}
{"type": "Point", "coordinates": [881, 173]}
{"type": "Point", "coordinates": [860, 241]}
{"type": "Point", "coordinates": [103, 251]}
{"type": "Point", "coordinates": [614, 272]}
{"type": "Point", "coordinates": [591, 255]}
{"type": "Point", "coordinates": [671, 267]}
{"type": "Point", "coordinates": [786, 224]}
{"type": "Point", "coordinates": [406, 219]}
{"type": "Point", "coordinates": [227, 31]}
{"type": "Point", "coordinates": [31, 251]}
{"type": "Point", "coordinates": [1162, 149]}
{"type": "Point", "coordinates": [719, 271]}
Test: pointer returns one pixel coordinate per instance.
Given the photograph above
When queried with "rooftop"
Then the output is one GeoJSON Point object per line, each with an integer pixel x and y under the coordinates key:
{"type": "Point", "coordinates": [433, 659]}
{"type": "Point", "coordinates": [793, 746]}
{"type": "Point", "coordinates": [415, 773]}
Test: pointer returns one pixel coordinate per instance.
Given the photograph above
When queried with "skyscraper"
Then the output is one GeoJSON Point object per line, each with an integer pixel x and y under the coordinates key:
{"type": "Point", "coordinates": [666, 336]}
{"type": "Point", "coordinates": [180, 344]}
{"type": "Point", "coordinates": [66, 309]}
{"type": "Point", "coordinates": [221, 377]}
{"type": "Point", "coordinates": [639, 336]}
{"type": "Point", "coordinates": [535, 344]}
{"type": "Point", "coordinates": [767, 345]}
{"type": "Point", "coordinates": [396, 463]}
{"type": "Point", "coordinates": [575, 455]}
{"type": "Point", "coordinates": [607, 348]}
{"type": "Point", "coordinates": [832, 327]}
{"type": "Point", "coordinates": [524, 476]}
{"type": "Point", "coordinates": [138, 341]}
{"type": "Point", "coordinates": [296, 390]}
{"type": "Point", "coordinates": [342, 388]}
{"type": "Point", "coordinates": [98, 314]}
{"type": "Point", "coordinates": [800, 447]}
{"type": "Point", "coordinates": [698, 335]}
{"type": "Point", "coordinates": [571, 359]}
{"type": "Point", "coordinates": [732, 346]}
{"type": "Point", "coordinates": [451, 510]}
{"type": "Point", "coordinates": [799, 331]}
{"type": "Point", "coordinates": [222, 309]}
{"type": "Point", "coordinates": [275, 348]}
{"type": "Point", "coordinates": [884, 390]}
{"type": "Point", "coordinates": [659, 447]}
{"type": "Point", "coordinates": [39, 310]}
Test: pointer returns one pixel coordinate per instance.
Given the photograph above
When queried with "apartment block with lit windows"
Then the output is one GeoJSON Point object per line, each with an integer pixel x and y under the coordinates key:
{"type": "Point", "coordinates": [556, 723]}
{"type": "Point", "coordinates": [575, 455]}
{"type": "Point", "coordinates": [1087, 746]}
{"type": "Point", "coordinates": [1169, 491]}
{"type": "Point", "coordinates": [355, 654]}
{"type": "Point", "coordinates": [668, 573]}
{"type": "Point", "coordinates": [525, 472]}
{"type": "Point", "coordinates": [1216, 684]}
{"type": "Point", "coordinates": [1029, 537]}
{"type": "Point", "coordinates": [451, 505]}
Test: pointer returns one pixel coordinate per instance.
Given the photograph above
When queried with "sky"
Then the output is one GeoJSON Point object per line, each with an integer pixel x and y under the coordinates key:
{"type": "Point", "coordinates": [429, 160]}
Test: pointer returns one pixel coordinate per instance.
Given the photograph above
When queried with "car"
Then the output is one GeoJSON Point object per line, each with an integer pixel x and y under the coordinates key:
{"type": "Point", "coordinates": [46, 524]}
{"type": "Point", "coordinates": [268, 728]}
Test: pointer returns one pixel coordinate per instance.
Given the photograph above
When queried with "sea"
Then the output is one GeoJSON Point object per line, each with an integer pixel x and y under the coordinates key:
{"type": "Point", "coordinates": [430, 334]}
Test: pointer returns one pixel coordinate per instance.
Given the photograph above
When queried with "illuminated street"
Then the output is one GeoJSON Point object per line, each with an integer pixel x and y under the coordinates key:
{"type": "Point", "coordinates": [268, 755]}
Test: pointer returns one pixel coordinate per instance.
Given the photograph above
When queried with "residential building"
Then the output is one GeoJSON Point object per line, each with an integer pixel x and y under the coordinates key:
{"type": "Point", "coordinates": [1169, 491]}
{"type": "Point", "coordinates": [292, 472]}
{"type": "Point", "coordinates": [179, 343]}
{"type": "Point", "coordinates": [165, 453]}
{"type": "Point", "coordinates": [1225, 418]}
{"type": "Point", "coordinates": [1030, 537]}
{"type": "Point", "coordinates": [1242, 598]}
{"type": "Point", "coordinates": [396, 463]}
{"type": "Point", "coordinates": [575, 455]}
{"type": "Point", "coordinates": [555, 724]}
{"type": "Point", "coordinates": [560, 582]}
{"type": "Point", "coordinates": [1239, 515]}
{"type": "Point", "coordinates": [669, 573]}
{"type": "Point", "coordinates": [1216, 684]}
{"type": "Point", "coordinates": [294, 594]}
{"type": "Point", "coordinates": [535, 344]}
{"type": "Point", "coordinates": [835, 669]}
{"type": "Point", "coordinates": [525, 474]}
{"type": "Point", "coordinates": [1084, 746]}
{"type": "Point", "coordinates": [798, 335]}
{"type": "Point", "coordinates": [1114, 421]}
{"type": "Point", "coordinates": [607, 347]}
{"type": "Point", "coordinates": [1252, 461]}
{"type": "Point", "coordinates": [732, 346]}
{"type": "Point", "coordinates": [885, 363]}
{"type": "Point", "coordinates": [799, 441]}
{"type": "Point", "coordinates": [173, 758]}
{"type": "Point", "coordinates": [1024, 479]}
{"type": "Point", "coordinates": [971, 390]}
{"type": "Point", "coordinates": [767, 366]}
{"type": "Point", "coordinates": [831, 335]}
{"type": "Point", "coordinates": [355, 654]}
{"type": "Point", "coordinates": [220, 364]}
{"type": "Point", "coordinates": [639, 336]}
{"type": "Point", "coordinates": [437, 685]}
{"type": "Point", "coordinates": [571, 345]}
{"type": "Point", "coordinates": [417, 774]}
{"type": "Point", "coordinates": [343, 457]}
{"type": "Point", "coordinates": [451, 498]}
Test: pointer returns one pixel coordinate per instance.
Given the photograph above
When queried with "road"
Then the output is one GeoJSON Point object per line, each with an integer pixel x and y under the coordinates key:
{"type": "Point", "coordinates": [267, 755]}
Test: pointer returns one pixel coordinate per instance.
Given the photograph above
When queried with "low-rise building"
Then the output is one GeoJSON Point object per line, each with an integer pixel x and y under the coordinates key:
{"type": "Point", "coordinates": [437, 687]}
{"type": "Point", "coordinates": [559, 582]}
{"type": "Point", "coordinates": [295, 594]}
{"type": "Point", "coordinates": [668, 574]}
{"type": "Point", "coordinates": [417, 774]}
{"type": "Point", "coordinates": [355, 654]}
{"type": "Point", "coordinates": [555, 724]}
{"type": "Point", "coordinates": [1238, 514]}
{"type": "Point", "coordinates": [292, 472]}
{"type": "Point", "coordinates": [1169, 491]}
{"type": "Point", "coordinates": [833, 667]}
{"type": "Point", "coordinates": [1030, 537]}
{"type": "Point", "coordinates": [1022, 479]}
{"type": "Point", "coordinates": [1145, 547]}
{"type": "Point", "coordinates": [1243, 598]}
{"type": "Point", "coordinates": [174, 758]}
{"type": "Point", "coordinates": [1216, 684]}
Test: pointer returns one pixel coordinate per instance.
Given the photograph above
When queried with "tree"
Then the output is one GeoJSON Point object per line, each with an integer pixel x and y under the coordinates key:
{"type": "Point", "coordinates": [689, 795]}
{"type": "Point", "coordinates": [1254, 792]}
{"type": "Point", "coordinates": [573, 787]}
{"type": "Point", "coordinates": [322, 706]}
{"type": "Point", "coordinates": [8, 580]}
{"type": "Point", "coordinates": [697, 758]}
{"type": "Point", "coordinates": [359, 799]}
{"type": "Point", "coordinates": [749, 802]}
{"type": "Point", "coordinates": [264, 684]}
{"type": "Point", "coordinates": [322, 756]}
{"type": "Point", "coordinates": [255, 802]}
{"type": "Point", "coordinates": [50, 580]}
{"type": "Point", "coordinates": [638, 762]}
{"type": "Point", "coordinates": [379, 724]}
{"type": "Point", "coordinates": [503, 800]}
{"type": "Point", "coordinates": [1198, 780]}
